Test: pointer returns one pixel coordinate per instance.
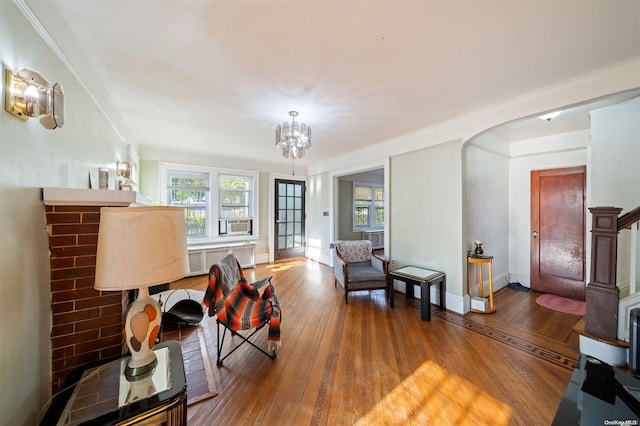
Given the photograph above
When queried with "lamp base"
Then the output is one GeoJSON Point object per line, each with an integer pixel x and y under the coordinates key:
{"type": "Point", "coordinates": [141, 372]}
{"type": "Point", "coordinates": [141, 329]}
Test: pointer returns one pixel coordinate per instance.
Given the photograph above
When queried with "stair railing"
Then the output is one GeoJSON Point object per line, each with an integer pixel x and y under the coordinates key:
{"type": "Point", "coordinates": [631, 221]}
{"type": "Point", "coordinates": [602, 293]}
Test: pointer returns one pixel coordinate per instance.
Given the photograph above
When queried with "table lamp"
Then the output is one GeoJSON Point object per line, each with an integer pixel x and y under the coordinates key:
{"type": "Point", "coordinates": [139, 247]}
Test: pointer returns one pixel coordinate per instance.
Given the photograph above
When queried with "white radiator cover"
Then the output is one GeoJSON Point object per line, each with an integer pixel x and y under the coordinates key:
{"type": "Point", "coordinates": [202, 257]}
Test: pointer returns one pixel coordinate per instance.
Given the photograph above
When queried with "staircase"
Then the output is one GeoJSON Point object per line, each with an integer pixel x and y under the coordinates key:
{"type": "Point", "coordinates": [614, 287]}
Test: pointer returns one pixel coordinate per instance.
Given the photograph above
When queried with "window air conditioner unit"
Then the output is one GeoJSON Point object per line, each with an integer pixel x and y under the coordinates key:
{"type": "Point", "coordinates": [236, 227]}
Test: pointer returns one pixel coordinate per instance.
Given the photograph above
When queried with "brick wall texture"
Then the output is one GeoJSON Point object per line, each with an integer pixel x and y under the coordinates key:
{"type": "Point", "coordinates": [86, 323]}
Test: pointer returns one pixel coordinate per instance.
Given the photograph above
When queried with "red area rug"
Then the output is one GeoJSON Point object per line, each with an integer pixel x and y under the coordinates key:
{"type": "Point", "coordinates": [562, 304]}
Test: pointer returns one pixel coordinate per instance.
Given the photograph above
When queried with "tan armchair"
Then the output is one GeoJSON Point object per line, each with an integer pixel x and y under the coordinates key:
{"type": "Point", "coordinates": [357, 269]}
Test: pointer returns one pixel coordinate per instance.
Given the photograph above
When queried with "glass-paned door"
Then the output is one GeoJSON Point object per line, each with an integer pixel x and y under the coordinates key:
{"type": "Point", "coordinates": [290, 216]}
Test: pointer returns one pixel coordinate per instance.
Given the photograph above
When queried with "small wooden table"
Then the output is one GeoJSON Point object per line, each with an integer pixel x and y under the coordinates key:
{"type": "Point", "coordinates": [480, 260]}
{"type": "Point", "coordinates": [424, 278]}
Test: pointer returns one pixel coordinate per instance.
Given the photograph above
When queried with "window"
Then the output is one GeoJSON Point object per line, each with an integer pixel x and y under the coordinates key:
{"type": "Point", "coordinates": [368, 206]}
{"type": "Point", "coordinates": [220, 203]}
{"type": "Point", "coordinates": [190, 190]}
{"type": "Point", "coordinates": [235, 197]}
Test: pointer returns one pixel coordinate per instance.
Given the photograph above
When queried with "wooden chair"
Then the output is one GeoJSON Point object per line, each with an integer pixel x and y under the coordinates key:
{"type": "Point", "coordinates": [357, 269]}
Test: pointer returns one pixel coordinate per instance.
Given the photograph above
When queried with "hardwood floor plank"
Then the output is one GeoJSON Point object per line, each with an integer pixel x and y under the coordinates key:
{"type": "Point", "coordinates": [364, 363]}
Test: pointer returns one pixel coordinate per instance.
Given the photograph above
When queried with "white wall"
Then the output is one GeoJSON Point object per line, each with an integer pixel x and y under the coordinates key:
{"type": "Point", "coordinates": [264, 198]}
{"type": "Point", "coordinates": [150, 180]}
{"type": "Point", "coordinates": [486, 205]}
{"type": "Point", "coordinates": [318, 224]}
{"type": "Point", "coordinates": [425, 213]}
{"type": "Point", "coordinates": [32, 157]}
{"type": "Point", "coordinates": [345, 212]}
{"type": "Point", "coordinates": [615, 170]}
{"type": "Point", "coordinates": [563, 150]}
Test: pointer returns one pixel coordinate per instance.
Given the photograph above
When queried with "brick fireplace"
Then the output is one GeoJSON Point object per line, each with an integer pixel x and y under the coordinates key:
{"type": "Point", "coordinates": [86, 324]}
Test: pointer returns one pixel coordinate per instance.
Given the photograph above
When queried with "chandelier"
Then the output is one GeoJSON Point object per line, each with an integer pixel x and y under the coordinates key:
{"type": "Point", "coordinates": [293, 138]}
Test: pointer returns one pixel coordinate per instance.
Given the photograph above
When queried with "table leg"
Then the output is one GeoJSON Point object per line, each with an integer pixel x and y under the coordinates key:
{"type": "Point", "coordinates": [480, 283]}
{"type": "Point", "coordinates": [409, 290]}
{"type": "Point", "coordinates": [490, 287]}
{"type": "Point", "coordinates": [443, 282]}
{"type": "Point", "coordinates": [425, 302]}
{"type": "Point", "coordinates": [391, 292]}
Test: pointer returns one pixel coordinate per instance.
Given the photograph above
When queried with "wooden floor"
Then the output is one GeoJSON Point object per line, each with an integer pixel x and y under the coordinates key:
{"type": "Point", "coordinates": [364, 363]}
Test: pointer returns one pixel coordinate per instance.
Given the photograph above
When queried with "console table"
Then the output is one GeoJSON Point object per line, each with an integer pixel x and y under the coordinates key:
{"type": "Point", "coordinates": [100, 394]}
{"type": "Point", "coordinates": [424, 278]}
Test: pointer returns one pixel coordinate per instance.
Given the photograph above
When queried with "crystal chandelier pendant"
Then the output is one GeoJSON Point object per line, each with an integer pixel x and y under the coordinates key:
{"type": "Point", "coordinates": [294, 138]}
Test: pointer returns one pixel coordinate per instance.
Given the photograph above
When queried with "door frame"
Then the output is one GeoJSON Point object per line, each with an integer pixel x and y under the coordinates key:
{"type": "Point", "coordinates": [272, 212]}
{"type": "Point", "coordinates": [334, 198]}
{"type": "Point", "coordinates": [534, 212]}
{"type": "Point", "coordinates": [303, 233]}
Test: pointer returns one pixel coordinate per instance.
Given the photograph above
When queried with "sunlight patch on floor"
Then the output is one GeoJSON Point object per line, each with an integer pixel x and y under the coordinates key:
{"type": "Point", "coordinates": [433, 396]}
{"type": "Point", "coordinates": [285, 265]}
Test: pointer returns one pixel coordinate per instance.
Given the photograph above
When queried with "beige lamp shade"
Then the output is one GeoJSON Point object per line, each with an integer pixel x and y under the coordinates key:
{"type": "Point", "coordinates": [140, 247]}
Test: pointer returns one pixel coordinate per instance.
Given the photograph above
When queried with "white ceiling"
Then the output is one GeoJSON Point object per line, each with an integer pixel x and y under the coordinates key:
{"type": "Point", "coordinates": [205, 75]}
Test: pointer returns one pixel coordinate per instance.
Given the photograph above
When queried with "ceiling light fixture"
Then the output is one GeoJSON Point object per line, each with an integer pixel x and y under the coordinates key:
{"type": "Point", "coordinates": [294, 138]}
{"type": "Point", "coordinates": [550, 116]}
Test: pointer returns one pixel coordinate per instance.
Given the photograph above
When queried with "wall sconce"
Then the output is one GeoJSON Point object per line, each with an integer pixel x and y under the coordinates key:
{"type": "Point", "coordinates": [123, 173]}
{"type": "Point", "coordinates": [28, 94]}
{"type": "Point", "coordinates": [123, 169]}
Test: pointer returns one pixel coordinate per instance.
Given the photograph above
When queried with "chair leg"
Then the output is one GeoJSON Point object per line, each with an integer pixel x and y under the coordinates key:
{"type": "Point", "coordinates": [220, 342]}
{"type": "Point", "coordinates": [244, 340]}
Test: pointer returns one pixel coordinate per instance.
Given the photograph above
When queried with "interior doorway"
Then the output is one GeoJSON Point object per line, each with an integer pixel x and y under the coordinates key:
{"type": "Point", "coordinates": [348, 204]}
{"type": "Point", "coordinates": [558, 217]}
{"type": "Point", "coordinates": [289, 235]}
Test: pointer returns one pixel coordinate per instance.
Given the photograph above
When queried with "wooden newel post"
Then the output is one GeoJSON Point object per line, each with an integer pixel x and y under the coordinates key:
{"type": "Point", "coordinates": [602, 293]}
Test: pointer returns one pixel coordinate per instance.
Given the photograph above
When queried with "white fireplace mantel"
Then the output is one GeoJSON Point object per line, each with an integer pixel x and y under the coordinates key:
{"type": "Point", "coordinates": [92, 197]}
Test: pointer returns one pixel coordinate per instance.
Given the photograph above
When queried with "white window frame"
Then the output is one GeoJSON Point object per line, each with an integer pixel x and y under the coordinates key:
{"type": "Point", "coordinates": [250, 201]}
{"type": "Point", "coordinates": [213, 214]}
{"type": "Point", "coordinates": [371, 204]}
{"type": "Point", "coordinates": [207, 188]}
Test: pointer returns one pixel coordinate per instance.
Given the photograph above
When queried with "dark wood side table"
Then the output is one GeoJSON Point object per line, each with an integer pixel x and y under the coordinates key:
{"type": "Point", "coordinates": [424, 278]}
{"type": "Point", "coordinates": [99, 393]}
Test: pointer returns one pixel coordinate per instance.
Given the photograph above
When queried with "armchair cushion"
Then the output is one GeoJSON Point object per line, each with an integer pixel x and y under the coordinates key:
{"type": "Point", "coordinates": [364, 271]}
{"type": "Point", "coordinates": [354, 251]}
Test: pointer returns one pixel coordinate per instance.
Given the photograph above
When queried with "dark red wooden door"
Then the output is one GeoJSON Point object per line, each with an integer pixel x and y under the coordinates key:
{"type": "Point", "coordinates": [558, 231]}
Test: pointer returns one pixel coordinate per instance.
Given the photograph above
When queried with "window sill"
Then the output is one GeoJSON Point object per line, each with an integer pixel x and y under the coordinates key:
{"type": "Point", "coordinates": [221, 242]}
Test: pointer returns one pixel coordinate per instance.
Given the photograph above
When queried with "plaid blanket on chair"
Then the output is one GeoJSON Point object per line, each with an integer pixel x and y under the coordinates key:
{"type": "Point", "coordinates": [240, 305]}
